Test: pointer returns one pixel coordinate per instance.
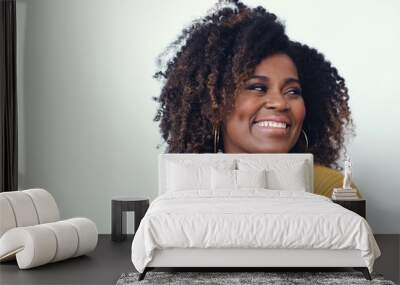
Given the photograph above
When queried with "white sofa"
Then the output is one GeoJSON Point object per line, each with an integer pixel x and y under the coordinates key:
{"type": "Point", "coordinates": [31, 231]}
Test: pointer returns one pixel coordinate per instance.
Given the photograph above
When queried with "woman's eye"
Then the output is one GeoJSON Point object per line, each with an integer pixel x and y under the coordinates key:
{"type": "Point", "coordinates": [294, 91]}
{"type": "Point", "coordinates": [258, 88]}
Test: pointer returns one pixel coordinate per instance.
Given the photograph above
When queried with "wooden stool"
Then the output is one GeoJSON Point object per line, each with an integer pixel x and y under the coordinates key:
{"type": "Point", "coordinates": [119, 207]}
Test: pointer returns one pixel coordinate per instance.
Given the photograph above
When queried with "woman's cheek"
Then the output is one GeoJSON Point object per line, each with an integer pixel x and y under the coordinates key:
{"type": "Point", "coordinates": [299, 111]}
{"type": "Point", "coordinates": [246, 107]}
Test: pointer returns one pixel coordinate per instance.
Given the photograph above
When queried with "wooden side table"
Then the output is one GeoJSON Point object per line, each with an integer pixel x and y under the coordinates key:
{"type": "Point", "coordinates": [358, 206]}
{"type": "Point", "coordinates": [119, 207]}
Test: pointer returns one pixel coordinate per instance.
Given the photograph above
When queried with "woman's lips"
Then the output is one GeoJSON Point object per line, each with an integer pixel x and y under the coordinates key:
{"type": "Point", "coordinates": [272, 118]}
{"type": "Point", "coordinates": [272, 128]}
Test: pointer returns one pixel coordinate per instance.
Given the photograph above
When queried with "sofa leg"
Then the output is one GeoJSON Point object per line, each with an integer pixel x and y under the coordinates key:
{"type": "Point", "coordinates": [364, 271]}
{"type": "Point", "coordinates": [142, 275]}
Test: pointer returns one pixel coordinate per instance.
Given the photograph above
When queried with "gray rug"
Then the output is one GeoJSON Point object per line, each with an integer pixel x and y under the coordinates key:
{"type": "Point", "coordinates": [269, 278]}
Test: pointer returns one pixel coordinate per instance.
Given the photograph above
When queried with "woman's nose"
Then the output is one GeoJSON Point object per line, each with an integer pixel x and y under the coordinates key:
{"type": "Point", "coordinates": [277, 101]}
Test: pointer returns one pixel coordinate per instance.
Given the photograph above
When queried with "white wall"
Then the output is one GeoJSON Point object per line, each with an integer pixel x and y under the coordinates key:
{"type": "Point", "coordinates": [85, 86]}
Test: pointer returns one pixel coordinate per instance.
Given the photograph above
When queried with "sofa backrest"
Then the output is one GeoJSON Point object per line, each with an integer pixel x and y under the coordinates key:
{"type": "Point", "coordinates": [27, 208]}
{"type": "Point", "coordinates": [279, 163]}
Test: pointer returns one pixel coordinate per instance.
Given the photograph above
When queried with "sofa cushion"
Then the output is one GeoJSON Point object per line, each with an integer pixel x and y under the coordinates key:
{"type": "Point", "coordinates": [40, 244]}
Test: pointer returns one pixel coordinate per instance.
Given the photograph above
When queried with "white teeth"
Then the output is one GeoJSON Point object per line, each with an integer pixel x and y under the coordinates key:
{"type": "Point", "coordinates": [271, 124]}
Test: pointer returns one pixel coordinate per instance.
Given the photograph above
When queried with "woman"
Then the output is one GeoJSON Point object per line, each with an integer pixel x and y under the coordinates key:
{"type": "Point", "coordinates": [238, 84]}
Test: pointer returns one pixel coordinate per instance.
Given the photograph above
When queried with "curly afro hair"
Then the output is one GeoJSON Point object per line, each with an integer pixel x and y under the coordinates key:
{"type": "Point", "coordinates": [212, 59]}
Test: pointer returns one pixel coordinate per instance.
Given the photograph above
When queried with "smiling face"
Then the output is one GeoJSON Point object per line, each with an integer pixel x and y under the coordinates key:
{"type": "Point", "coordinates": [269, 110]}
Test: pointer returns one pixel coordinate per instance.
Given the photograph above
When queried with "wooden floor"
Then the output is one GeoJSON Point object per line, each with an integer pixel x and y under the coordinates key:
{"type": "Point", "coordinates": [111, 259]}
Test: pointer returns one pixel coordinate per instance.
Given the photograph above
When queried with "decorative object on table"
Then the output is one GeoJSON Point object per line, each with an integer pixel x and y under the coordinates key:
{"type": "Point", "coordinates": [119, 207]}
{"type": "Point", "coordinates": [358, 206]}
{"type": "Point", "coordinates": [347, 174]}
{"type": "Point", "coordinates": [346, 192]}
{"type": "Point", "coordinates": [31, 231]}
{"type": "Point", "coordinates": [243, 278]}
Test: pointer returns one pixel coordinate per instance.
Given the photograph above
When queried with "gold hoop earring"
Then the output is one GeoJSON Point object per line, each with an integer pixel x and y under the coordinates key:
{"type": "Point", "coordinates": [216, 138]}
{"type": "Point", "coordinates": [305, 137]}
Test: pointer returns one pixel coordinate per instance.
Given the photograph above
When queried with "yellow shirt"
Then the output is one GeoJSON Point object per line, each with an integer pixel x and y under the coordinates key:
{"type": "Point", "coordinates": [325, 179]}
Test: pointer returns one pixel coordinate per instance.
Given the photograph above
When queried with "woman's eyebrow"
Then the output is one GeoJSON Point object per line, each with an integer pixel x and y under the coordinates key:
{"type": "Point", "coordinates": [291, 80]}
{"type": "Point", "coordinates": [266, 78]}
{"type": "Point", "coordinates": [261, 77]}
